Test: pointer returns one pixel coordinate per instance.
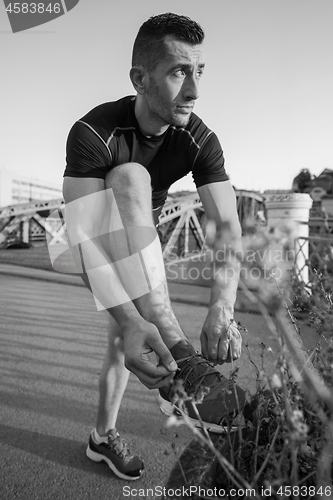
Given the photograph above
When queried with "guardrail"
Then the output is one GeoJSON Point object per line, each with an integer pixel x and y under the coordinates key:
{"type": "Point", "coordinates": [315, 253]}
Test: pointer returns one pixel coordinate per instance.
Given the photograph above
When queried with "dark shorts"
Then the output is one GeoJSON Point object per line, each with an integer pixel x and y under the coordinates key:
{"type": "Point", "coordinates": [156, 215]}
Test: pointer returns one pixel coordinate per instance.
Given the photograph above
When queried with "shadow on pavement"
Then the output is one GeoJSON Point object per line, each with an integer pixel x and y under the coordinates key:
{"type": "Point", "coordinates": [58, 450]}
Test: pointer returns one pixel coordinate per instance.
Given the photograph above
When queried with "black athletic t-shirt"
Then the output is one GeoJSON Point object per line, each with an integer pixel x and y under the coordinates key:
{"type": "Point", "coordinates": [109, 135]}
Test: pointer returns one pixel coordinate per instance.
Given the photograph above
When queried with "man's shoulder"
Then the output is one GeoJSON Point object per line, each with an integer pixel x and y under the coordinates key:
{"type": "Point", "coordinates": [197, 131]}
{"type": "Point", "coordinates": [195, 128]}
{"type": "Point", "coordinates": [110, 114]}
{"type": "Point", "coordinates": [197, 125]}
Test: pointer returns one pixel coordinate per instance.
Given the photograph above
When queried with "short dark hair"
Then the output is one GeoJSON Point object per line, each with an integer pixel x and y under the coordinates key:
{"type": "Point", "coordinates": [149, 49]}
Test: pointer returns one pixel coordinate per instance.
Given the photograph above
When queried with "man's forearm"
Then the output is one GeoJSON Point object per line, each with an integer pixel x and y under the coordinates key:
{"type": "Point", "coordinates": [226, 270]}
{"type": "Point", "coordinates": [224, 291]}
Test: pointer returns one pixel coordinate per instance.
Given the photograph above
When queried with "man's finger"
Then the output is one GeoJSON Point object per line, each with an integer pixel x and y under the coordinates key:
{"type": "Point", "coordinates": [151, 370]}
{"type": "Point", "coordinates": [234, 349]}
{"type": "Point", "coordinates": [152, 376]}
{"type": "Point", "coordinates": [165, 356]}
{"type": "Point", "coordinates": [155, 384]}
{"type": "Point", "coordinates": [223, 351]}
{"type": "Point", "coordinates": [235, 341]}
{"type": "Point", "coordinates": [212, 348]}
{"type": "Point", "coordinates": [204, 345]}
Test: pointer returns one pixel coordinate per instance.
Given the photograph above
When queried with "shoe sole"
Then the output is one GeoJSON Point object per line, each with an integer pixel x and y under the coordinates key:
{"type": "Point", "coordinates": [169, 409]}
{"type": "Point", "coordinates": [97, 457]}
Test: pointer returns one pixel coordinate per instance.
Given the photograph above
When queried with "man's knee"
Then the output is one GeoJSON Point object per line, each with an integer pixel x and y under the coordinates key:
{"type": "Point", "coordinates": [129, 175]}
{"type": "Point", "coordinates": [131, 187]}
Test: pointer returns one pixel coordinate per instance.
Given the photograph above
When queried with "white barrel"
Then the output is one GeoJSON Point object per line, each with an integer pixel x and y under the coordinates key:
{"type": "Point", "coordinates": [292, 207]}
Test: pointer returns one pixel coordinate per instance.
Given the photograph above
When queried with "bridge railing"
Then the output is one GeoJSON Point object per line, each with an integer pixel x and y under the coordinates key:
{"type": "Point", "coordinates": [316, 254]}
{"type": "Point", "coordinates": [180, 221]}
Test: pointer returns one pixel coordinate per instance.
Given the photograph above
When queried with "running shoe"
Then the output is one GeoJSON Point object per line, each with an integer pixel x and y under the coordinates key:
{"type": "Point", "coordinates": [218, 400]}
{"type": "Point", "coordinates": [115, 453]}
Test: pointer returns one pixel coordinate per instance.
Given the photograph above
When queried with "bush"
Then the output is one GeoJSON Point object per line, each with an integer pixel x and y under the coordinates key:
{"type": "Point", "coordinates": [284, 439]}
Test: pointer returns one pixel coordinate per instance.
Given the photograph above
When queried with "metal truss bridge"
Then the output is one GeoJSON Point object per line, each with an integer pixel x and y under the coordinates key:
{"type": "Point", "coordinates": [181, 222]}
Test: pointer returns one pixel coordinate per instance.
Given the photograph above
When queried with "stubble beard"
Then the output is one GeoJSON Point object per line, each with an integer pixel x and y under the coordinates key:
{"type": "Point", "coordinates": [161, 111]}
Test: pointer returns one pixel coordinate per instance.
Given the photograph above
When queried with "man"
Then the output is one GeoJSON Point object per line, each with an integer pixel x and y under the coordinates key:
{"type": "Point", "coordinates": [122, 158]}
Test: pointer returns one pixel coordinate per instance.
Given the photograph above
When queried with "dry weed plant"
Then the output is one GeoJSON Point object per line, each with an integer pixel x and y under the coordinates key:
{"type": "Point", "coordinates": [284, 437]}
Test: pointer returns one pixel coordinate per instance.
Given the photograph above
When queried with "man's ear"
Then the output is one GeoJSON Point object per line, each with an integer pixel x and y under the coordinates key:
{"type": "Point", "coordinates": [139, 77]}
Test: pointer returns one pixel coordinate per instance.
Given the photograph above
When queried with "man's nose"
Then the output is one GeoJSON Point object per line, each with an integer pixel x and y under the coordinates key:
{"type": "Point", "coordinates": [191, 88]}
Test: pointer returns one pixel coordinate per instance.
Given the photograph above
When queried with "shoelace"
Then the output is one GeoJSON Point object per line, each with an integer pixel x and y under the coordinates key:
{"type": "Point", "coordinates": [186, 370]}
{"type": "Point", "coordinates": [119, 446]}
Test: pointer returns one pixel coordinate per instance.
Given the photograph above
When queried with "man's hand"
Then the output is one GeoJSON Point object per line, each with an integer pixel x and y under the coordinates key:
{"type": "Point", "coordinates": [141, 341]}
{"type": "Point", "coordinates": [220, 339]}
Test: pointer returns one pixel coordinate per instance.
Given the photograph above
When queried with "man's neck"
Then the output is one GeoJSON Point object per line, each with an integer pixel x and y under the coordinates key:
{"type": "Point", "coordinates": [148, 125]}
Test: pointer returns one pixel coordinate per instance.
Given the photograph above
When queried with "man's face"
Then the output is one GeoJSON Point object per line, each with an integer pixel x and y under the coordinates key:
{"type": "Point", "coordinates": [174, 84]}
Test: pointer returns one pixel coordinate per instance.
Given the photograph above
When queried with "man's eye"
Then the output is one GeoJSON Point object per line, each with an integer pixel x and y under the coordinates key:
{"type": "Point", "coordinates": [179, 72]}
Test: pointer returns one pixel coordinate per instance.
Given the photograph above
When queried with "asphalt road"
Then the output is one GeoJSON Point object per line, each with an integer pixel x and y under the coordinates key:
{"type": "Point", "coordinates": [52, 341]}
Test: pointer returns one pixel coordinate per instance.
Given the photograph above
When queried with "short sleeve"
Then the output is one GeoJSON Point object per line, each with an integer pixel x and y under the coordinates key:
{"type": "Point", "coordinates": [87, 155]}
{"type": "Point", "coordinates": [209, 164]}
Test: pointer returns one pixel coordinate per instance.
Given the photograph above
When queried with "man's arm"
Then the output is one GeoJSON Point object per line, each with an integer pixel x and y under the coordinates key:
{"type": "Point", "coordinates": [219, 202]}
{"type": "Point", "coordinates": [86, 210]}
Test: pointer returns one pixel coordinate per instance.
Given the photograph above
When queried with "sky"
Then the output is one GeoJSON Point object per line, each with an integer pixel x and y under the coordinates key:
{"type": "Point", "coordinates": [266, 92]}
